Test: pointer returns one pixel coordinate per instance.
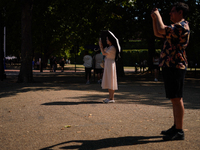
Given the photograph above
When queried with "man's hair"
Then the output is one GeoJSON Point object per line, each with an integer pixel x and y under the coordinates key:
{"type": "Point", "coordinates": [182, 6]}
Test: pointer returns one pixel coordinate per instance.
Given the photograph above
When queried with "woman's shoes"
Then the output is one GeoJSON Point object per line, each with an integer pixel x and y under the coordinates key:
{"type": "Point", "coordinates": [108, 101]}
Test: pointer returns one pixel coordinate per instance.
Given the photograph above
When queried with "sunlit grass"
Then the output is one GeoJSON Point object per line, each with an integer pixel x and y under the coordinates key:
{"type": "Point", "coordinates": [80, 66]}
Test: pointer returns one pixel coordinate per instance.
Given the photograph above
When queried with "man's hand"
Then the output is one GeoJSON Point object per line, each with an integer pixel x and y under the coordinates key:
{"type": "Point", "coordinates": [154, 13]}
{"type": "Point", "coordinates": [158, 26]}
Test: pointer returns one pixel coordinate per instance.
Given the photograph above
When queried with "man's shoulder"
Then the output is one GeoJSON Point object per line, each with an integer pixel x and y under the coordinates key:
{"type": "Point", "coordinates": [87, 56]}
{"type": "Point", "coordinates": [183, 24]}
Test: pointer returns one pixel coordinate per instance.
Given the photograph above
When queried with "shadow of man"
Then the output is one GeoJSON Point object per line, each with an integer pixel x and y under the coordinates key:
{"type": "Point", "coordinates": [105, 143]}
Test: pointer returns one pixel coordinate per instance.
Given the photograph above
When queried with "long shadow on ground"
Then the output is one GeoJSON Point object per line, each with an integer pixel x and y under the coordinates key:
{"type": "Point", "coordinates": [105, 143]}
{"type": "Point", "coordinates": [133, 88]}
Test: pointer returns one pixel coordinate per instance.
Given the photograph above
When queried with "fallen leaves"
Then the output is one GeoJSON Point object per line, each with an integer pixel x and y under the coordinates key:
{"type": "Point", "coordinates": [90, 115]}
{"type": "Point", "coordinates": [68, 126]}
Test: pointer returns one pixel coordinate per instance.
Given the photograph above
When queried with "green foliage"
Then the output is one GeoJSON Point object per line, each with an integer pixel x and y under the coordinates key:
{"type": "Point", "coordinates": [11, 12]}
{"type": "Point", "coordinates": [59, 25]}
{"type": "Point", "coordinates": [131, 57]}
{"type": "Point", "coordinates": [193, 51]}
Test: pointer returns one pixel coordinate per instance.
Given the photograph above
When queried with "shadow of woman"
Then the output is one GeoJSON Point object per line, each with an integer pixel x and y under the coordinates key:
{"type": "Point", "coordinates": [72, 103]}
{"type": "Point", "coordinates": [105, 143]}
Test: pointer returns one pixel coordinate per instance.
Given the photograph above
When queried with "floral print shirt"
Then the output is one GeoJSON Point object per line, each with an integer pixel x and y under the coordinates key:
{"type": "Point", "coordinates": [173, 53]}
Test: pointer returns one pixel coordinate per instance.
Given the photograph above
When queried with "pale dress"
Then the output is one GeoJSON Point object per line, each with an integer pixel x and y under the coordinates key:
{"type": "Point", "coordinates": [109, 80]}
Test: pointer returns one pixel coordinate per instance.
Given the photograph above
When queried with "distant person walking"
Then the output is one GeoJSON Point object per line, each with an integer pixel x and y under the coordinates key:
{"type": "Point", "coordinates": [109, 80]}
{"type": "Point", "coordinates": [156, 67]}
{"type": "Point", "coordinates": [38, 64]}
{"type": "Point", "coordinates": [33, 64]}
{"type": "Point", "coordinates": [54, 64]}
{"type": "Point", "coordinates": [4, 63]}
{"type": "Point", "coordinates": [51, 64]}
{"type": "Point", "coordinates": [173, 61]}
{"type": "Point", "coordinates": [62, 64]}
{"type": "Point", "coordinates": [87, 59]}
{"type": "Point", "coordinates": [98, 59]}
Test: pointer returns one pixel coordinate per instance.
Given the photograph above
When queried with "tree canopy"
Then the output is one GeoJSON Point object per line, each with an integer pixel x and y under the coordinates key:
{"type": "Point", "coordinates": [59, 25]}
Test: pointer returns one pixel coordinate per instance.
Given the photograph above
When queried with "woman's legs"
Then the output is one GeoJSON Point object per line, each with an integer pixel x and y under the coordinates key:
{"type": "Point", "coordinates": [111, 94]}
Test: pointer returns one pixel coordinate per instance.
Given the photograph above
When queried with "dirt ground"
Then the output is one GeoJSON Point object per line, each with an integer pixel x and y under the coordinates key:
{"type": "Point", "coordinates": [59, 111]}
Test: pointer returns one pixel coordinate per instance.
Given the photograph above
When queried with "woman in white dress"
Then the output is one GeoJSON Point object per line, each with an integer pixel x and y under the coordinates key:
{"type": "Point", "coordinates": [109, 80]}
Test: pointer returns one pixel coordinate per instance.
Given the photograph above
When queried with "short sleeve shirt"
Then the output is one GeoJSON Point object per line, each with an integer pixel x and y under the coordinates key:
{"type": "Point", "coordinates": [111, 52]}
{"type": "Point", "coordinates": [173, 53]}
{"type": "Point", "coordinates": [87, 61]}
{"type": "Point", "coordinates": [98, 60]}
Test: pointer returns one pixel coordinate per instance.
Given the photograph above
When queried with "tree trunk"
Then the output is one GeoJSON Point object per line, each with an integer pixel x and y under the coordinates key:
{"type": "Point", "coordinates": [120, 66]}
{"type": "Point", "coordinates": [26, 74]}
{"type": "Point", "coordinates": [2, 75]}
{"type": "Point", "coordinates": [151, 51]}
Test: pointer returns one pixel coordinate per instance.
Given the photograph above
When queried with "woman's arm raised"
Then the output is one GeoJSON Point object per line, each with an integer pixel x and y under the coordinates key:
{"type": "Point", "coordinates": [101, 48]}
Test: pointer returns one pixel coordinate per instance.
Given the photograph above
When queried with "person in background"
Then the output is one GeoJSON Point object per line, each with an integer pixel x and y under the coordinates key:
{"type": "Point", "coordinates": [87, 59]}
{"type": "Point", "coordinates": [38, 64]}
{"type": "Point", "coordinates": [4, 63]}
{"type": "Point", "coordinates": [51, 64]}
{"type": "Point", "coordinates": [98, 59]}
{"type": "Point", "coordinates": [156, 67]}
{"type": "Point", "coordinates": [66, 61]}
{"type": "Point", "coordinates": [54, 64]}
{"type": "Point", "coordinates": [62, 64]}
{"type": "Point", "coordinates": [33, 64]}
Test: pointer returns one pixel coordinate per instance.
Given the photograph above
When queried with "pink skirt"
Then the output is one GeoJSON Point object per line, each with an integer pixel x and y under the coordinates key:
{"type": "Point", "coordinates": [109, 80]}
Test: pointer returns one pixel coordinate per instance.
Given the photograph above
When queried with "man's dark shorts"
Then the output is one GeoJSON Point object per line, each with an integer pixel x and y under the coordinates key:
{"type": "Point", "coordinates": [156, 67]}
{"type": "Point", "coordinates": [173, 80]}
{"type": "Point", "coordinates": [98, 71]}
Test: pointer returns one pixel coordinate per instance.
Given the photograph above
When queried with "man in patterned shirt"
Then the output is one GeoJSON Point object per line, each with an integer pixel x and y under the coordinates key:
{"type": "Point", "coordinates": [173, 61]}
